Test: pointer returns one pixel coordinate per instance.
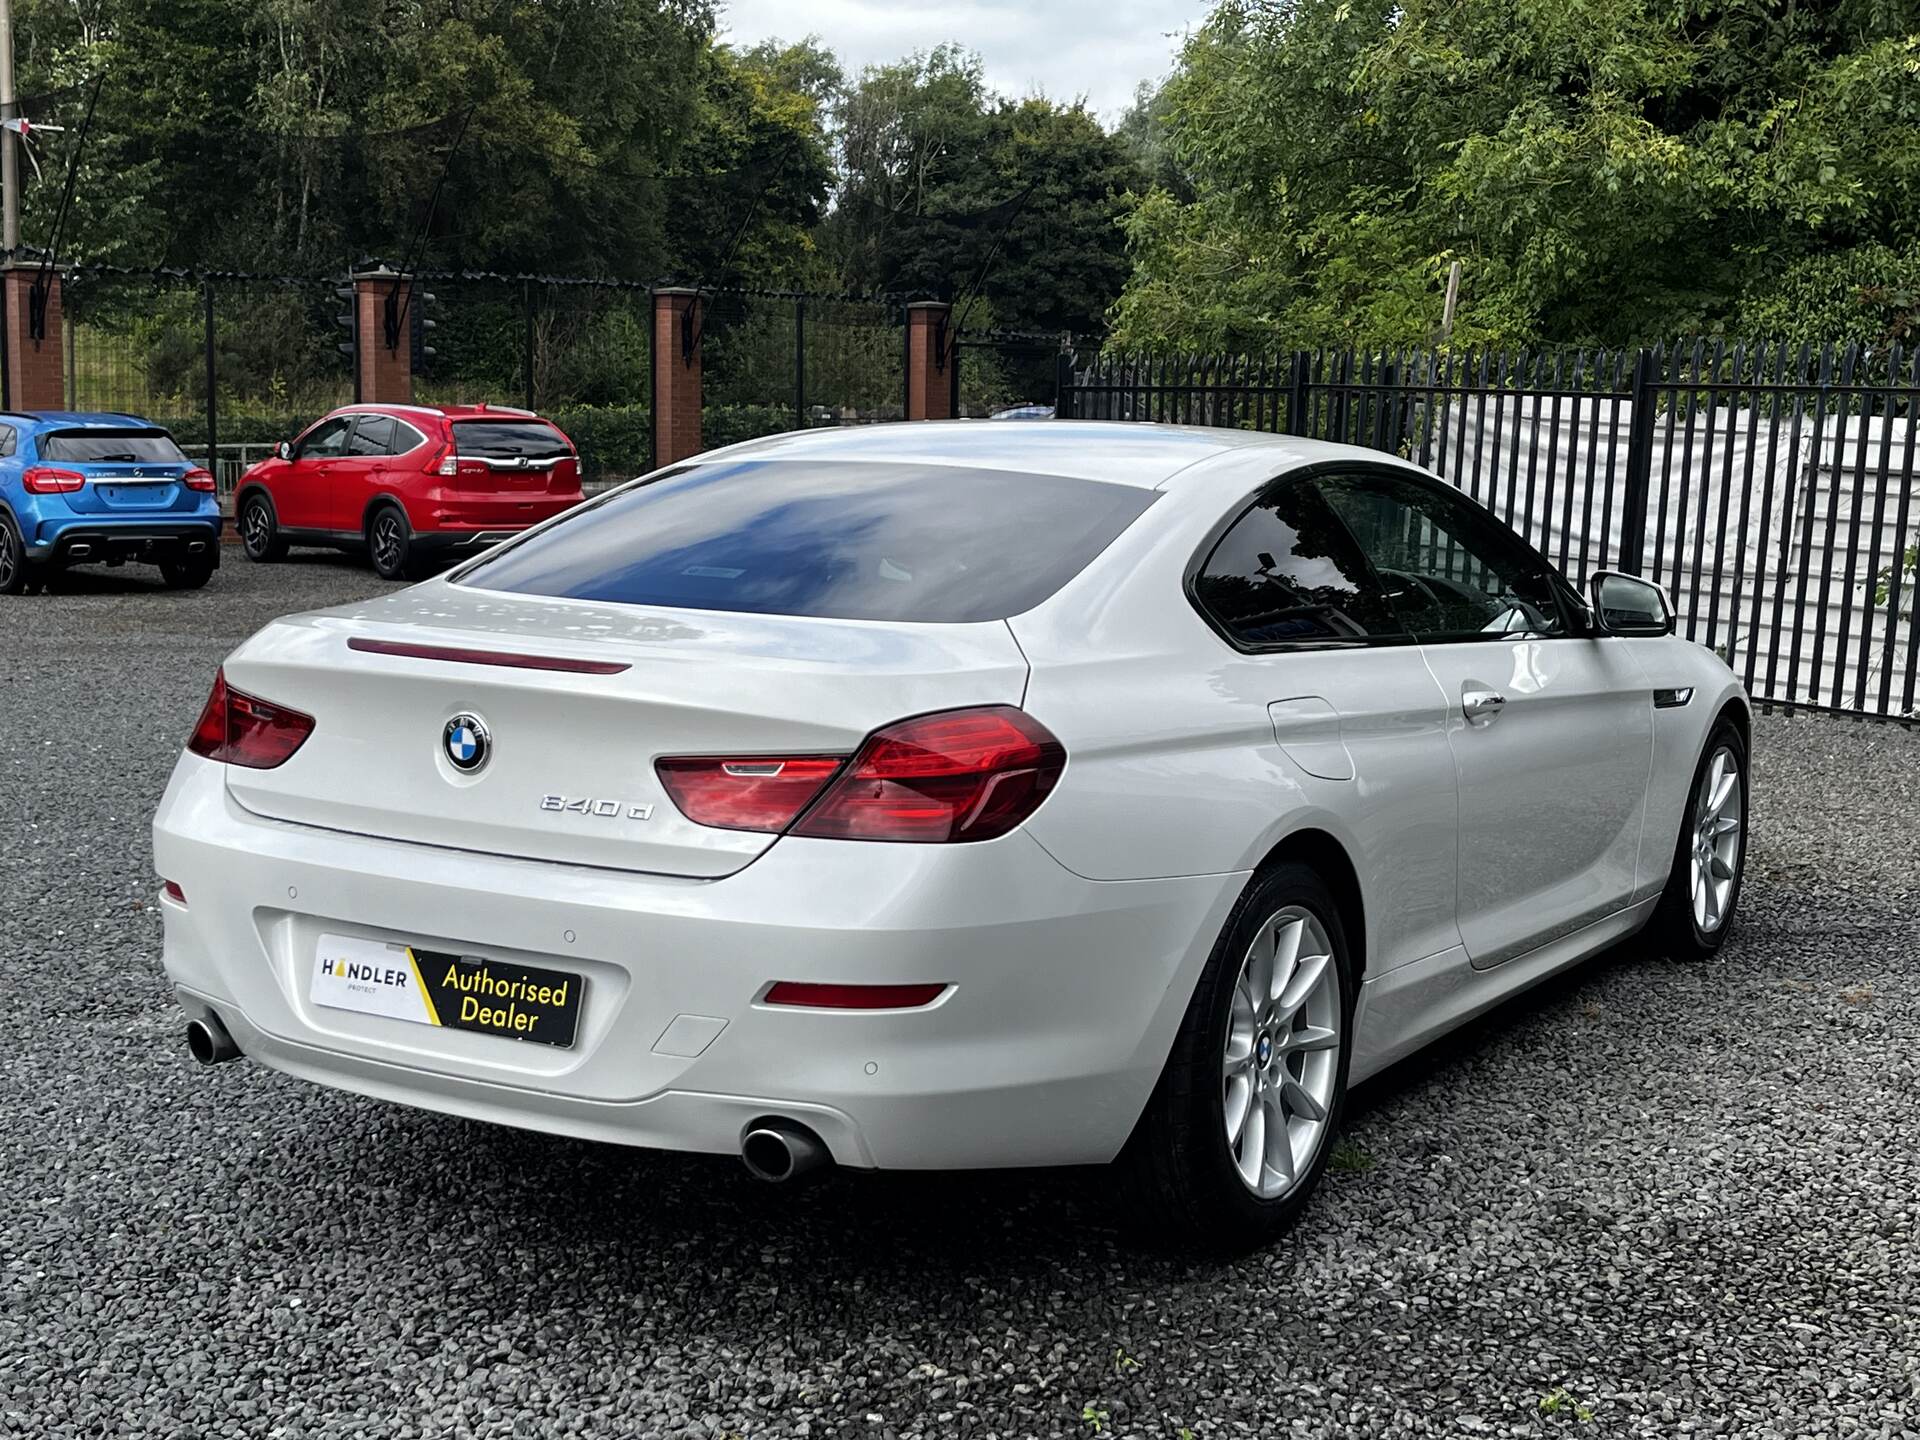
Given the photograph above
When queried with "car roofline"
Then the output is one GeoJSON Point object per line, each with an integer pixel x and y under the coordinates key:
{"type": "Point", "coordinates": [1130, 461]}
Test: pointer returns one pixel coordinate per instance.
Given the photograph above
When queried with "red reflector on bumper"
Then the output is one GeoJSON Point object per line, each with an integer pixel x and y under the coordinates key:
{"type": "Point", "coordinates": [173, 892]}
{"type": "Point", "coordinates": [853, 997]}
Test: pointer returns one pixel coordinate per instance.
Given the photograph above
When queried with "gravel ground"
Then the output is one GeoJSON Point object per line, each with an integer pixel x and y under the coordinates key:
{"type": "Point", "coordinates": [1648, 1199]}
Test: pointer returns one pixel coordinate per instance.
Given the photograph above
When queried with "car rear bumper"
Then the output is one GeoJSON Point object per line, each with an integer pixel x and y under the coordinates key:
{"type": "Point", "coordinates": [1064, 993]}
{"type": "Point", "coordinates": [146, 541]}
{"type": "Point", "coordinates": [458, 542]}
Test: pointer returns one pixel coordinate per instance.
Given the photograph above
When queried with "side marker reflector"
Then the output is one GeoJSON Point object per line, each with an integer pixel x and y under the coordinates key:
{"type": "Point", "coordinates": [853, 997]}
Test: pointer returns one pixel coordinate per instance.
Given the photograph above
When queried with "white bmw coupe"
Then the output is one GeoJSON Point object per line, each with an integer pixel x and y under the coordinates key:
{"type": "Point", "coordinates": [930, 796]}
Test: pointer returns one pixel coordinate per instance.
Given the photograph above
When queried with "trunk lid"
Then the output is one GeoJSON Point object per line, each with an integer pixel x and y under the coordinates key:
{"type": "Point", "coordinates": [115, 487]}
{"type": "Point", "coordinates": [570, 774]}
{"type": "Point", "coordinates": [513, 456]}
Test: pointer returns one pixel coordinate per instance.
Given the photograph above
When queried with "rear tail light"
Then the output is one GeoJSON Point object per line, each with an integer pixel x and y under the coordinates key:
{"type": "Point", "coordinates": [745, 794]}
{"type": "Point", "coordinates": [448, 463]}
{"type": "Point", "coordinates": [47, 480]}
{"type": "Point", "coordinates": [956, 776]}
{"type": "Point", "coordinates": [198, 479]}
{"type": "Point", "coordinates": [236, 728]}
{"type": "Point", "coordinates": [852, 997]}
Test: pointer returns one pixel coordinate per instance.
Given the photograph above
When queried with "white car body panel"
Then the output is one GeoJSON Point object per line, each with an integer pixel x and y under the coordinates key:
{"type": "Point", "coordinates": [700, 682]}
{"type": "Point", "coordinates": [1552, 786]}
{"type": "Point", "coordinates": [1484, 856]}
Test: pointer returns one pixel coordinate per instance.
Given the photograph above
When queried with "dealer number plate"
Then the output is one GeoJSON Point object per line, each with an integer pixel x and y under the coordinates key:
{"type": "Point", "coordinates": [436, 987]}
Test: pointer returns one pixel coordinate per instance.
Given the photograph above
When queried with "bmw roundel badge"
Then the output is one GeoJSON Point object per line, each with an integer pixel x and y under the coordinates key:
{"type": "Point", "coordinates": [466, 742]}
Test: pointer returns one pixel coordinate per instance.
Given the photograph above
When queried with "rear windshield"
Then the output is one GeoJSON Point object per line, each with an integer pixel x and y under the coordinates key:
{"type": "Point", "coordinates": [848, 541]}
{"type": "Point", "coordinates": [145, 446]}
{"type": "Point", "coordinates": [504, 439]}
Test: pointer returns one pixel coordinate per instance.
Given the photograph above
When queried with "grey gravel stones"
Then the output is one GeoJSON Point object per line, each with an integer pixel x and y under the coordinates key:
{"type": "Point", "coordinates": [1646, 1200]}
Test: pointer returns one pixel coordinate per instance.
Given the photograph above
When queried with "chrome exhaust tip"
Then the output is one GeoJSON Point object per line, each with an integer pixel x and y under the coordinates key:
{"type": "Point", "coordinates": [777, 1151]}
{"type": "Point", "coordinates": [209, 1042]}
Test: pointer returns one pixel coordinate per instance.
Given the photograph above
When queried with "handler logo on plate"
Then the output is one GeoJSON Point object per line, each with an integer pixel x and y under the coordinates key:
{"type": "Point", "coordinates": [456, 992]}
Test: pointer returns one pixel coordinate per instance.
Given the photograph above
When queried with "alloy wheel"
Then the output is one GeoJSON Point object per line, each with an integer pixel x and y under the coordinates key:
{"type": "Point", "coordinates": [387, 541]}
{"type": "Point", "coordinates": [258, 528]}
{"type": "Point", "coordinates": [1282, 1055]}
{"type": "Point", "coordinates": [9, 561]}
{"type": "Point", "coordinates": [1718, 830]}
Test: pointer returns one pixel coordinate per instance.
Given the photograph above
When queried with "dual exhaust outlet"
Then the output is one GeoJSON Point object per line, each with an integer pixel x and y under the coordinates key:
{"type": "Point", "coordinates": [773, 1150]}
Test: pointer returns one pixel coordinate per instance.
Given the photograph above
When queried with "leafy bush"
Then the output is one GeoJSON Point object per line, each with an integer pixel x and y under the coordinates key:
{"type": "Point", "coordinates": [615, 441]}
{"type": "Point", "coordinates": [1868, 293]}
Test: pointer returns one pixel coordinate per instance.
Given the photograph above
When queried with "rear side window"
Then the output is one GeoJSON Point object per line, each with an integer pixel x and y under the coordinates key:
{"type": "Point", "coordinates": [1288, 573]}
{"type": "Point", "coordinates": [143, 446]}
{"type": "Point", "coordinates": [847, 541]}
{"type": "Point", "coordinates": [506, 439]}
{"type": "Point", "coordinates": [372, 435]}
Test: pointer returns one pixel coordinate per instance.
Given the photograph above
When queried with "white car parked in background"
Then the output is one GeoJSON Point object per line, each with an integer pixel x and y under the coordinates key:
{"type": "Point", "coordinates": [929, 796]}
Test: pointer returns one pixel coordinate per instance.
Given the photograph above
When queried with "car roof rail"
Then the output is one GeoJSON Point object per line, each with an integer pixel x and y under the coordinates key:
{"type": "Point", "coordinates": [359, 406]}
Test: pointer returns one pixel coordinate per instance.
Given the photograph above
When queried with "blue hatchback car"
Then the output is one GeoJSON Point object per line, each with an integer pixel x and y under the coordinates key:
{"type": "Point", "coordinates": [79, 489]}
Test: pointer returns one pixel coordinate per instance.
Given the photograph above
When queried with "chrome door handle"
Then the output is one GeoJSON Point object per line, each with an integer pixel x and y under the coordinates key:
{"type": "Point", "coordinates": [1481, 704]}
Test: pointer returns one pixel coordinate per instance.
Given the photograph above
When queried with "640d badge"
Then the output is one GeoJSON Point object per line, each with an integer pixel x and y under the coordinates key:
{"type": "Point", "coordinates": [602, 809]}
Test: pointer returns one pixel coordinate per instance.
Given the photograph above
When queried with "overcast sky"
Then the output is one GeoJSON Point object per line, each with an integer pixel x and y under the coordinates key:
{"type": "Point", "coordinates": [1066, 49]}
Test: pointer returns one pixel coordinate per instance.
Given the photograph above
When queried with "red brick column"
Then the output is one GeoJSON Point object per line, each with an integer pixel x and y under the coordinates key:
{"type": "Point", "coordinates": [383, 376]}
{"type": "Point", "coordinates": [676, 375]}
{"type": "Point", "coordinates": [36, 378]}
{"type": "Point", "coordinates": [929, 387]}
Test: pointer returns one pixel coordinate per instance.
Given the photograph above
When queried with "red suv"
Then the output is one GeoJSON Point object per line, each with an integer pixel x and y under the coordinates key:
{"type": "Point", "coordinates": [408, 483]}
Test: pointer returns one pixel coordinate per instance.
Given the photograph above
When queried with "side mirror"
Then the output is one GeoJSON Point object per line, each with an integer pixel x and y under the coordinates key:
{"type": "Point", "coordinates": [283, 450]}
{"type": "Point", "coordinates": [1628, 605]}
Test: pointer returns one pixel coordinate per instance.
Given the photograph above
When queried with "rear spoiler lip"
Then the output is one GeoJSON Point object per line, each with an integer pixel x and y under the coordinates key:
{"type": "Point", "coordinates": [461, 655]}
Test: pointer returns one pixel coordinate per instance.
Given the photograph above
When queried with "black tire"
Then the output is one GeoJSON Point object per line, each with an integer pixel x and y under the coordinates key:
{"type": "Point", "coordinates": [1178, 1172]}
{"type": "Point", "coordinates": [390, 543]}
{"type": "Point", "coordinates": [18, 575]}
{"type": "Point", "coordinates": [259, 529]}
{"type": "Point", "coordinates": [1676, 927]}
{"type": "Point", "coordinates": [186, 574]}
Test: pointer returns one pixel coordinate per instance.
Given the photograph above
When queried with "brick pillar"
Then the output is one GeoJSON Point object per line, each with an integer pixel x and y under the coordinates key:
{"type": "Point", "coordinates": [384, 376]}
{"type": "Point", "coordinates": [929, 386]}
{"type": "Point", "coordinates": [676, 375]}
{"type": "Point", "coordinates": [36, 378]}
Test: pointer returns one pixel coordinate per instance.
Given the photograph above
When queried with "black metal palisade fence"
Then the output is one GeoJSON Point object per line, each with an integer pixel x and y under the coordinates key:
{"type": "Point", "coordinates": [1771, 490]}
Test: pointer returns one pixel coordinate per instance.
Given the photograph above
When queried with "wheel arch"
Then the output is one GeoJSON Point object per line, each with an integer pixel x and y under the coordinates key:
{"type": "Point", "coordinates": [380, 502]}
{"type": "Point", "coordinates": [247, 489]}
{"type": "Point", "coordinates": [1737, 712]}
{"type": "Point", "coordinates": [1323, 853]}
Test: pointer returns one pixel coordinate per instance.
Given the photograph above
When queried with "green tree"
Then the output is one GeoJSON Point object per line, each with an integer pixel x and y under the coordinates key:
{"type": "Point", "coordinates": [745, 200]}
{"type": "Point", "coordinates": [1612, 170]}
{"type": "Point", "coordinates": [947, 186]}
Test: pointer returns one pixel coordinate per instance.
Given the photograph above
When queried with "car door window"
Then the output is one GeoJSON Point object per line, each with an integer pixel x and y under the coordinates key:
{"type": "Point", "coordinates": [326, 440]}
{"type": "Point", "coordinates": [1451, 571]}
{"type": "Point", "coordinates": [372, 435]}
{"type": "Point", "coordinates": [1287, 573]}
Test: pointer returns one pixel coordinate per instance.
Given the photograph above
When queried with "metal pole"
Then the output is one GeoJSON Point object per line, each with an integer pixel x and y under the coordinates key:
{"type": "Point", "coordinates": [1637, 490]}
{"type": "Point", "coordinates": [213, 387]}
{"type": "Point", "coordinates": [1452, 303]}
{"type": "Point", "coordinates": [799, 364]}
{"type": "Point", "coordinates": [1297, 380]}
{"type": "Point", "coordinates": [526, 355]}
{"type": "Point", "coordinates": [9, 155]}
